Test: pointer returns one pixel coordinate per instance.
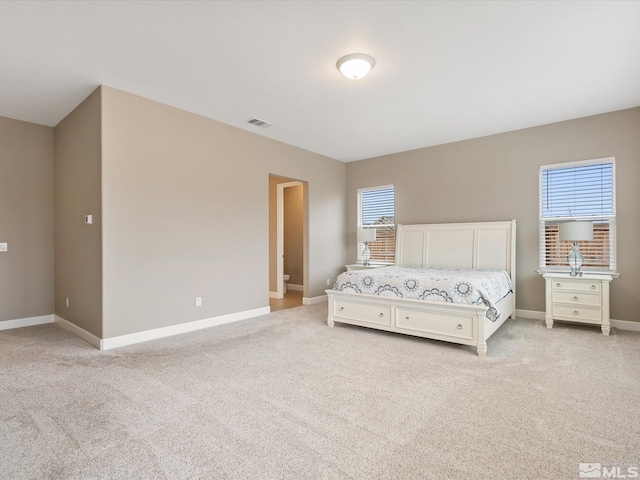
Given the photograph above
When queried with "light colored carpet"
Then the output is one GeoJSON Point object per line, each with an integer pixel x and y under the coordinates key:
{"type": "Point", "coordinates": [284, 396]}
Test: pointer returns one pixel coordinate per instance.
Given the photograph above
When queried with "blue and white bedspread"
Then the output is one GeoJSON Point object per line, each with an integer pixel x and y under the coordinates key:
{"type": "Point", "coordinates": [470, 287]}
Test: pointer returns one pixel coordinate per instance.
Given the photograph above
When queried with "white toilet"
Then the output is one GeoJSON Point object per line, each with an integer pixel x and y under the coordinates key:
{"type": "Point", "coordinates": [285, 279]}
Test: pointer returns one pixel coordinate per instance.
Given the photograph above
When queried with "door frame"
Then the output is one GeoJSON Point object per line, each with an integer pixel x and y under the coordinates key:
{"type": "Point", "coordinates": [280, 233]}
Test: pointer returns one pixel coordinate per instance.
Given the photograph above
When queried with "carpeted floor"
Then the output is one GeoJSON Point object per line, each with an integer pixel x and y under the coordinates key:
{"type": "Point", "coordinates": [285, 397]}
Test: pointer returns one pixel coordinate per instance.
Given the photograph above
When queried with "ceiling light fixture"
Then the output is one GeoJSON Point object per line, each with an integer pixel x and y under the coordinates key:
{"type": "Point", "coordinates": [355, 65]}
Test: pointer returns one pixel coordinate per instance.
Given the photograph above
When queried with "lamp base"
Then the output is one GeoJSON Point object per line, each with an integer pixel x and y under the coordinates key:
{"type": "Point", "coordinates": [575, 259]}
{"type": "Point", "coordinates": [366, 254]}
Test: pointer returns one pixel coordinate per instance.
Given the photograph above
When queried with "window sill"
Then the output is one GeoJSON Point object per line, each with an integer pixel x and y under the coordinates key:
{"type": "Point", "coordinates": [542, 271]}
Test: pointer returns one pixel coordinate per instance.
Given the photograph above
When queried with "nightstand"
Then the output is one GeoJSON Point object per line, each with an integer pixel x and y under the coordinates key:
{"type": "Point", "coordinates": [582, 299]}
{"type": "Point", "coordinates": [359, 266]}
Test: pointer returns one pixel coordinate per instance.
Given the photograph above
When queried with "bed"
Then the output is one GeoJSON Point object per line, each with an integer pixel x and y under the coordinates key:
{"type": "Point", "coordinates": [454, 246]}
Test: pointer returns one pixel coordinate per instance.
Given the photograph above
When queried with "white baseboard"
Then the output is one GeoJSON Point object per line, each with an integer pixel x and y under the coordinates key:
{"type": "Point", "coordinates": [90, 338]}
{"type": "Point", "coordinates": [275, 295]}
{"type": "Point", "coordinates": [26, 322]}
{"type": "Point", "coordinates": [532, 314]}
{"type": "Point", "coordinates": [139, 337]}
{"type": "Point", "coordinates": [626, 325]}
{"type": "Point", "coordinates": [314, 300]}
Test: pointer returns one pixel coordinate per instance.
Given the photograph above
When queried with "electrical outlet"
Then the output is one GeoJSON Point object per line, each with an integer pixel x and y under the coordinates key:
{"type": "Point", "coordinates": [67, 301]}
{"type": "Point", "coordinates": [328, 281]}
{"type": "Point", "coordinates": [198, 301]}
{"type": "Point", "coordinates": [3, 247]}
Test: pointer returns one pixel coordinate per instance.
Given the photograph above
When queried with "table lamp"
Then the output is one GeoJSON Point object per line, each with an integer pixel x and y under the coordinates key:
{"type": "Point", "coordinates": [574, 232]}
{"type": "Point", "coordinates": [366, 235]}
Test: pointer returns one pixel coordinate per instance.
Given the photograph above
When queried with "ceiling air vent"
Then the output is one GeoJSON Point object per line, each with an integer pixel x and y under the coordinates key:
{"type": "Point", "coordinates": [260, 123]}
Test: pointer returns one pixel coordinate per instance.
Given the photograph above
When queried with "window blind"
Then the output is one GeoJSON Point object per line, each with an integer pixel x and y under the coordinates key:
{"type": "Point", "coordinates": [581, 191]}
{"type": "Point", "coordinates": [377, 206]}
{"type": "Point", "coordinates": [578, 191]}
{"type": "Point", "coordinates": [376, 209]}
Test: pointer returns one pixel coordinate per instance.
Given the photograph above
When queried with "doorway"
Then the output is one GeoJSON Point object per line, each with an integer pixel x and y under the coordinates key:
{"type": "Point", "coordinates": [287, 227]}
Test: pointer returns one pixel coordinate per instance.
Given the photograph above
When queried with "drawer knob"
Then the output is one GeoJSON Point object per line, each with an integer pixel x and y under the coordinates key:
{"type": "Point", "coordinates": [593, 287]}
{"type": "Point", "coordinates": [576, 312]}
{"type": "Point", "coordinates": [575, 299]}
{"type": "Point", "coordinates": [341, 308]}
{"type": "Point", "coordinates": [406, 318]}
{"type": "Point", "coordinates": [558, 285]}
{"type": "Point", "coordinates": [381, 315]}
{"type": "Point", "coordinates": [459, 326]}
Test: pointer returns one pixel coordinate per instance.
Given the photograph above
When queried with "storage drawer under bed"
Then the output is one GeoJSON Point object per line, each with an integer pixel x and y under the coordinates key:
{"type": "Point", "coordinates": [433, 322]}
{"type": "Point", "coordinates": [370, 313]}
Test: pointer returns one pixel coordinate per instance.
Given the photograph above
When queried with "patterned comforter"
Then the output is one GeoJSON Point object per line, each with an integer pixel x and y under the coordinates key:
{"type": "Point", "coordinates": [470, 287]}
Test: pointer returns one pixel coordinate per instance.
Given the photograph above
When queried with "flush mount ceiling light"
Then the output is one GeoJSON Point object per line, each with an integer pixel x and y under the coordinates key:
{"type": "Point", "coordinates": [356, 65]}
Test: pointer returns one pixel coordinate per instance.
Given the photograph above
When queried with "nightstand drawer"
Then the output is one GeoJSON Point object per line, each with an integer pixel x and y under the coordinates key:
{"type": "Point", "coordinates": [585, 286]}
{"type": "Point", "coordinates": [577, 313]}
{"type": "Point", "coordinates": [593, 299]}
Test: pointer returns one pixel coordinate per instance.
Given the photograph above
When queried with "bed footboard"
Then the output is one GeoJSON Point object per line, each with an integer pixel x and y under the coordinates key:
{"type": "Point", "coordinates": [462, 324]}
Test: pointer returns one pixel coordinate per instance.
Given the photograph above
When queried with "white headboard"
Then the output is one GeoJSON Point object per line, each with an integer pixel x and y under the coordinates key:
{"type": "Point", "coordinates": [485, 245]}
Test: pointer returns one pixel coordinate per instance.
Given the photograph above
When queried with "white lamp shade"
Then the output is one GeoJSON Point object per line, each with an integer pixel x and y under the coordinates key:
{"type": "Point", "coordinates": [366, 234]}
{"type": "Point", "coordinates": [356, 65]}
{"type": "Point", "coordinates": [574, 231]}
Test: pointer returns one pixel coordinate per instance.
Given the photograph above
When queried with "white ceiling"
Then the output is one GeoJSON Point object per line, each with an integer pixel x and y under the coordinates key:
{"type": "Point", "coordinates": [445, 71]}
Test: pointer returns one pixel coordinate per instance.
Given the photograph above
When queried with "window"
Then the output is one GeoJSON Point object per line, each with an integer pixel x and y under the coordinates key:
{"type": "Point", "coordinates": [578, 191]}
{"type": "Point", "coordinates": [376, 209]}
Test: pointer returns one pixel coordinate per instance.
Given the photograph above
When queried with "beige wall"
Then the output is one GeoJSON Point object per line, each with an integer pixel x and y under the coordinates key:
{"type": "Point", "coordinates": [26, 219]}
{"type": "Point", "coordinates": [175, 227]}
{"type": "Point", "coordinates": [293, 234]}
{"type": "Point", "coordinates": [78, 247]}
{"type": "Point", "coordinates": [496, 178]}
{"type": "Point", "coordinates": [155, 179]}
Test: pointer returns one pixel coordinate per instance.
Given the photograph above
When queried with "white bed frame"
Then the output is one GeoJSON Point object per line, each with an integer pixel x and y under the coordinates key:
{"type": "Point", "coordinates": [487, 245]}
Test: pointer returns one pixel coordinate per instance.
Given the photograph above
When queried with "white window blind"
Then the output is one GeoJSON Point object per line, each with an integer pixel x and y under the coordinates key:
{"type": "Point", "coordinates": [578, 191]}
{"type": "Point", "coordinates": [376, 209]}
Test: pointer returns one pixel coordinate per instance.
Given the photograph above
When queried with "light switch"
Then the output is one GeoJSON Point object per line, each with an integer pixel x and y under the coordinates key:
{"type": "Point", "coordinates": [88, 219]}
{"type": "Point", "coordinates": [3, 247]}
